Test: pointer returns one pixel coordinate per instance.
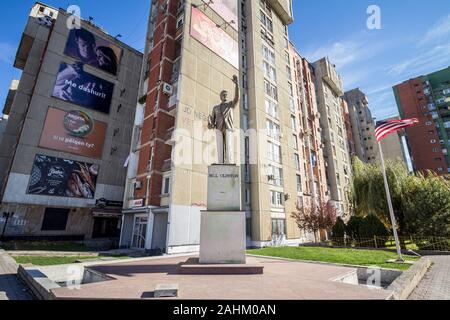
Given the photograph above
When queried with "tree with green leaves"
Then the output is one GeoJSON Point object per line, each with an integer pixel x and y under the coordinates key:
{"type": "Point", "coordinates": [421, 202]}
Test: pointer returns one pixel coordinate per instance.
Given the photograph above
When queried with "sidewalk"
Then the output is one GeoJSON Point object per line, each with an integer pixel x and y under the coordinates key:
{"type": "Point", "coordinates": [10, 286]}
{"type": "Point", "coordinates": [436, 283]}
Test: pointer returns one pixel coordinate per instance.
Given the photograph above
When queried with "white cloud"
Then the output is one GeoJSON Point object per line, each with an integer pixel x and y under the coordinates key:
{"type": "Point", "coordinates": [440, 31]}
{"type": "Point", "coordinates": [340, 53]}
{"type": "Point", "coordinates": [426, 61]}
{"type": "Point", "coordinates": [7, 53]}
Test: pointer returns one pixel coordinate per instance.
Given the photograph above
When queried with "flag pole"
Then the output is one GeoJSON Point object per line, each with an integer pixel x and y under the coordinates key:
{"type": "Point", "coordinates": [391, 208]}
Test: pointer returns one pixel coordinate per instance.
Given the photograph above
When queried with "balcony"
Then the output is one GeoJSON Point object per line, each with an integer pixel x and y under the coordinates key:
{"type": "Point", "coordinates": [283, 8]}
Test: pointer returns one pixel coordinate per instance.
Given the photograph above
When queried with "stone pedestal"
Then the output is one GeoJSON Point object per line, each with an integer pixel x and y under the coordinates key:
{"type": "Point", "coordinates": [222, 237]}
{"type": "Point", "coordinates": [223, 232]}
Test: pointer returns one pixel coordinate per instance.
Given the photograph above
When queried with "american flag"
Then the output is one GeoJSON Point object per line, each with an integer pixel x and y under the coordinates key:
{"type": "Point", "coordinates": [385, 128]}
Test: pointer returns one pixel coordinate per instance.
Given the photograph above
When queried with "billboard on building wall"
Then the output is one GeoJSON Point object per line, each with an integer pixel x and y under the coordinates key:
{"type": "Point", "coordinates": [90, 49]}
{"type": "Point", "coordinates": [228, 10]}
{"type": "Point", "coordinates": [75, 85]}
{"type": "Point", "coordinates": [58, 177]}
{"type": "Point", "coordinates": [214, 38]}
{"type": "Point", "coordinates": [73, 132]}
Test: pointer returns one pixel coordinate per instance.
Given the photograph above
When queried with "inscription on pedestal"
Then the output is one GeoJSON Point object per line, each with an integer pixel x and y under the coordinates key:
{"type": "Point", "coordinates": [224, 188]}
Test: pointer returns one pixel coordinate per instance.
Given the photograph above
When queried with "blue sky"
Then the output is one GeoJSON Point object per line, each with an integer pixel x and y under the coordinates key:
{"type": "Point", "coordinates": [414, 39]}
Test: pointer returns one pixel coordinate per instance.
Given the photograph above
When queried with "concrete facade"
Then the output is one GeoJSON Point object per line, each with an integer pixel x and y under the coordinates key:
{"type": "Point", "coordinates": [329, 90]}
{"type": "Point", "coordinates": [428, 99]}
{"type": "Point", "coordinates": [363, 126]}
{"type": "Point", "coordinates": [39, 56]}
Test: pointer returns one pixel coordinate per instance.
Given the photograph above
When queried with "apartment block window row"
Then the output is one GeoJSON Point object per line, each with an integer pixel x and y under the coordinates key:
{"type": "Point", "coordinates": [276, 198]}
{"type": "Point", "coordinates": [273, 130]}
{"type": "Point", "coordinates": [271, 90]}
{"type": "Point", "coordinates": [278, 227]}
{"type": "Point", "coordinates": [275, 176]}
{"type": "Point", "coordinates": [272, 108]}
{"type": "Point", "coordinates": [274, 152]}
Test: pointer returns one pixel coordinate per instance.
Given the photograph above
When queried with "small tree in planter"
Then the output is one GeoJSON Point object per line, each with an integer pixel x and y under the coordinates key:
{"type": "Point", "coordinates": [316, 217]}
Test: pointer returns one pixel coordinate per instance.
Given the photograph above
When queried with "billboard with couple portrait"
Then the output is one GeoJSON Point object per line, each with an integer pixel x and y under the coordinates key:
{"type": "Point", "coordinates": [88, 48]}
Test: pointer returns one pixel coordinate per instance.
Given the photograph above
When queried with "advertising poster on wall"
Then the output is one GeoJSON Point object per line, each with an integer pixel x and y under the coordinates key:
{"type": "Point", "coordinates": [73, 132]}
{"type": "Point", "coordinates": [90, 49]}
{"type": "Point", "coordinates": [214, 38]}
{"type": "Point", "coordinates": [63, 178]}
{"type": "Point", "coordinates": [227, 9]}
{"type": "Point", "coordinates": [75, 85]}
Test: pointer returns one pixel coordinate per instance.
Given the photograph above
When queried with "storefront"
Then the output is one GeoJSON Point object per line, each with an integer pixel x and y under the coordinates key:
{"type": "Point", "coordinates": [145, 228]}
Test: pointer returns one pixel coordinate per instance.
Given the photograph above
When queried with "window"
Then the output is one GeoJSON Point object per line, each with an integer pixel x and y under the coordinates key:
{"type": "Point", "coordinates": [274, 152]}
{"type": "Point", "coordinates": [270, 90]}
{"type": "Point", "coordinates": [273, 130]}
{"type": "Point", "coordinates": [299, 183]}
{"type": "Point", "coordinates": [294, 123]}
{"type": "Point", "coordinates": [276, 198]}
{"type": "Point", "coordinates": [297, 162]}
{"type": "Point", "coordinates": [278, 227]}
{"type": "Point", "coordinates": [269, 72]}
{"type": "Point", "coordinates": [166, 186]}
{"type": "Point", "coordinates": [276, 176]}
{"type": "Point", "coordinates": [295, 142]}
{"type": "Point", "coordinates": [266, 21]}
{"type": "Point", "coordinates": [268, 55]}
{"type": "Point", "coordinates": [55, 219]}
{"type": "Point", "coordinates": [271, 108]}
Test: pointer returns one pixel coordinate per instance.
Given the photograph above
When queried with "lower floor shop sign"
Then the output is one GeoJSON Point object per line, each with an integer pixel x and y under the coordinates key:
{"type": "Point", "coordinates": [58, 177]}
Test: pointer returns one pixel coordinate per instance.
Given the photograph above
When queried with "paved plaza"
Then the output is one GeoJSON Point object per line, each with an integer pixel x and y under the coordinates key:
{"type": "Point", "coordinates": [281, 280]}
{"type": "Point", "coordinates": [11, 288]}
{"type": "Point", "coordinates": [436, 283]}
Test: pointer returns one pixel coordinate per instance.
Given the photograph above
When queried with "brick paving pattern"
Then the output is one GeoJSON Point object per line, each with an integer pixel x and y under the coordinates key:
{"type": "Point", "coordinates": [436, 283]}
{"type": "Point", "coordinates": [11, 288]}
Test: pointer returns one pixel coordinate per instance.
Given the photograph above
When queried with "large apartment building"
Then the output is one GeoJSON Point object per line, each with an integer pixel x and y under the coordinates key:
{"type": "Point", "coordinates": [312, 168]}
{"type": "Point", "coordinates": [194, 49]}
{"type": "Point", "coordinates": [363, 126]}
{"type": "Point", "coordinates": [329, 89]}
{"type": "Point", "coordinates": [428, 99]}
{"type": "Point", "coordinates": [69, 129]}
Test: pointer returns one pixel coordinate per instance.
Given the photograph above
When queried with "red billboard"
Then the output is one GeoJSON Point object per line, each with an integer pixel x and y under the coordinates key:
{"type": "Point", "coordinates": [73, 132]}
{"type": "Point", "coordinates": [214, 38]}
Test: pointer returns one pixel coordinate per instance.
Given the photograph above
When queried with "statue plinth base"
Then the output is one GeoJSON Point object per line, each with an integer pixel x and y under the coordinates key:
{"type": "Point", "coordinates": [222, 237]}
{"type": "Point", "coordinates": [223, 225]}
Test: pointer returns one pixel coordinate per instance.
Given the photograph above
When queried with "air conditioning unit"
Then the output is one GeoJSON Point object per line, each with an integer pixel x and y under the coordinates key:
{"type": "Point", "coordinates": [167, 89]}
{"type": "Point", "coordinates": [137, 185]}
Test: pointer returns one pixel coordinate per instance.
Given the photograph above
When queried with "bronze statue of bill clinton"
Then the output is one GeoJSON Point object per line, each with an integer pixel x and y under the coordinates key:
{"type": "Point", "coordinates": [222, 120]}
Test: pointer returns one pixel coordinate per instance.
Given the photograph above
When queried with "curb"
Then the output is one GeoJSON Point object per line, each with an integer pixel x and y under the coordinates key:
{"type": "Point", "coordinates": [404, 285]}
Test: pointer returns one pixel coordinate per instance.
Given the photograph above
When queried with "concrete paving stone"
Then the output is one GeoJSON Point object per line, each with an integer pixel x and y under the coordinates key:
{"type": "Point", "coordinates": [436, 283]}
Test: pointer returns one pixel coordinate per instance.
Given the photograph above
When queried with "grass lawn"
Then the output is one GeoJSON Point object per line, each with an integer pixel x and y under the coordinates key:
{"type": "Point", "coordinates": [53, 261]}
{"type": "Point", "coordinates": [344, 256]}
{"type": "Point", "coordinates": [45, 246]}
